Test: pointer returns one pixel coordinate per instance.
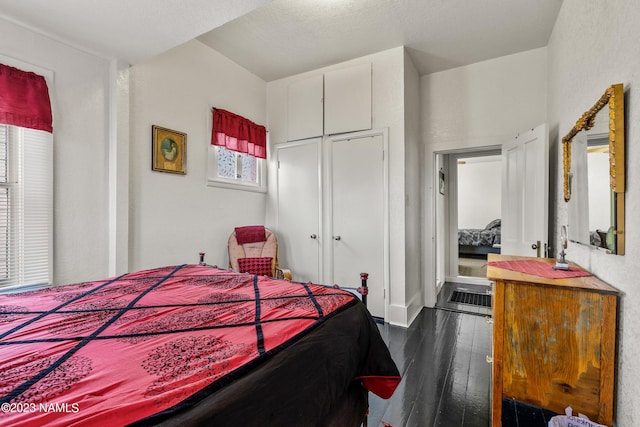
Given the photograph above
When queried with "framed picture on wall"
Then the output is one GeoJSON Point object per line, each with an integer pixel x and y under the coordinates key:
{"type": "Point", "coordinates": [169, 150]}
{"type": "Point", "coordinates": [441, 184]}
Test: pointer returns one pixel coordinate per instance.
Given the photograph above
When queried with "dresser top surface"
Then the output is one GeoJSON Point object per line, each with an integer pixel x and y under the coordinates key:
{"type": "Point", "coordinates": [591, 283]}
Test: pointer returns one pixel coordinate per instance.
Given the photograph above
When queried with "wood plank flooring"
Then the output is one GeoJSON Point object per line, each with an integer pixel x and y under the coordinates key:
{"type": "Point", "coordinates": [446, 379]}
{"type": "Point", "coordinates": [445, 376]}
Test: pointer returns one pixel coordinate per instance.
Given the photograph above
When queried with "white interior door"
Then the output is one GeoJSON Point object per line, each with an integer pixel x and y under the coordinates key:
{"type": "Point", "coordinates": [299, 229]}
{"type": "Point", "coordinates": [357, 230]}
{"type": "Point", "coordinates": [525, 193]}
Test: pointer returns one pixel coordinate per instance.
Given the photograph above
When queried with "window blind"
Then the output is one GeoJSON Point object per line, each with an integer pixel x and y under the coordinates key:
{"type": "Point", "coordinates": [26, 206]}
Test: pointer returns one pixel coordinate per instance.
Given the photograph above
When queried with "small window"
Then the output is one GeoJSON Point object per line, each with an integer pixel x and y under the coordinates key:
{"type": "Point", "coordinates": [230, 169]}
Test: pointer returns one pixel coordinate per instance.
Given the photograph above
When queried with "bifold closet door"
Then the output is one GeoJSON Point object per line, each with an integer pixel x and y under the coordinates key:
{"type": "Point", "coordinates": [357, 214]}
{"type": "Point", "coordinates": [298, 210]}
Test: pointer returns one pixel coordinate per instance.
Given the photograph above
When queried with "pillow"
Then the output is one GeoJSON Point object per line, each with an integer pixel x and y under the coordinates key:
{"type": "Point", "coordinates": [261, 266]}
{"type": "Point", "coordinates": [493, 224]}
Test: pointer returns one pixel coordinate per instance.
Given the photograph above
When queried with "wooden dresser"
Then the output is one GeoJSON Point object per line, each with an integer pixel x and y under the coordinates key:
{"type": "Point", "coordinates": [554, 342]}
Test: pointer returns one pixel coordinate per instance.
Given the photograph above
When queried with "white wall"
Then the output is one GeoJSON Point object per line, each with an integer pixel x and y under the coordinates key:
{"type": "Point", "coordinates": [486, 103]}
{"type": "Point", "coordinates": [413, 150]}
{"type": "Point", "coordinates": [479, 105]}
{"type": "Point", "coordinates": [479, 196]}
{"type": "Point", "coordinates": [173, 217]}
{"type": "Point", "coordinates": [81, 120]}
{"type": "Point", "coordinates": [388, 94]}
{"type": "Point", "coordinates": [595, 44]}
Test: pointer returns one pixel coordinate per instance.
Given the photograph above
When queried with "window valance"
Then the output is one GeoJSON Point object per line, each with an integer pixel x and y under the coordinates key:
{"type": "Point", "coordinates": [24, 99]}
{"type": "Point", "coordinates": [238, 134]}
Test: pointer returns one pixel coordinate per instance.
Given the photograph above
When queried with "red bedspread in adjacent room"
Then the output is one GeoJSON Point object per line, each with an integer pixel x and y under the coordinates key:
{"type": "Point", "coordinates": [117, 351]}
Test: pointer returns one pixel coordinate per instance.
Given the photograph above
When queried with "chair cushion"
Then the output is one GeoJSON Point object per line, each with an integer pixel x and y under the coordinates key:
{"type": "Point", "coordinates": [250, 234]}
{"type": "Point", "coordinates": [262, 266]}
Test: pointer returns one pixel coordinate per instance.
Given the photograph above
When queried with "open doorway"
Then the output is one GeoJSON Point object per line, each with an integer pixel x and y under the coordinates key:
{"type": "Point", "coordinates": [468, 224]}
{"type": "Point", "coordinates": [478, 179]}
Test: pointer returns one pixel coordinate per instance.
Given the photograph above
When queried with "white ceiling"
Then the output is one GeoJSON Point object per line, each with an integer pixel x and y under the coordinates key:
{"type": "Point", "coordinates": [279, 38]}
{"type": "Point", "coordinates": [132, 30]}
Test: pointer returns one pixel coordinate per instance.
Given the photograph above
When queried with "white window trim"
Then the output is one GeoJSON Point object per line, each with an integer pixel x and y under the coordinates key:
{"type": "Point", "coordinates": [213, 180]}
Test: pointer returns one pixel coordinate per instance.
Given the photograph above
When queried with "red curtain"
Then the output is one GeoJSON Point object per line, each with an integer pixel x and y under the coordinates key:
{"type": "Point", "coordinates": [24, 99]}
{"type": "Point", "coordinates": [238, 134]}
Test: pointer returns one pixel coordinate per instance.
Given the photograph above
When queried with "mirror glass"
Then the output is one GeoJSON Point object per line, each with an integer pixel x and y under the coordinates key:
{"type": "Point", "coordinates": [590, 204]}
{"type": "Point", "coordinates": [592, 187]}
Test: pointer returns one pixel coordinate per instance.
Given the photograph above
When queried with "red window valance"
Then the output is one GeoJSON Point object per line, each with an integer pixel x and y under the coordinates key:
{"type": "Point", "coordinates": [24, 99]}
{"type": "Point", "coordinates": [238, 134]}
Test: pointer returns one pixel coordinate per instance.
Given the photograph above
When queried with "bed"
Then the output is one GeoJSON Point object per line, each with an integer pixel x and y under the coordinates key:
{"type": "Point", "coordinates": [189, 345]}
{"type": "Point", "coordinates": [480, 242]}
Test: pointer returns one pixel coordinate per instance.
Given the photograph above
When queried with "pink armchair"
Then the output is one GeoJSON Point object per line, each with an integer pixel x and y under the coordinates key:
{"type": "Point", "coordinates": [254, 249]}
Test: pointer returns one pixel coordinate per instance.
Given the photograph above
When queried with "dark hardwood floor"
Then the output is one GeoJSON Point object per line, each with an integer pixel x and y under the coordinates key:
{"type": "Point", "coordinates": [445, 376]}
{"type": "Point", "coordinates": [446, 379]}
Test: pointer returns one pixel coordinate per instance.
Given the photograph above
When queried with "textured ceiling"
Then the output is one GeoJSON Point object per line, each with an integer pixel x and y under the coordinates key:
{"type": "Point", "coordinates": [279, 38]}
{"type": "Point", "coordinates": [131, 30]}
{"type": "Point", "coordinates": [286, 37]}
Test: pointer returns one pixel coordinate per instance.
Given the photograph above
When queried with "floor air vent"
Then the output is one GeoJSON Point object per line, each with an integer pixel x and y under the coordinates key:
{"type": "Point", "coordinates": [470, 298]}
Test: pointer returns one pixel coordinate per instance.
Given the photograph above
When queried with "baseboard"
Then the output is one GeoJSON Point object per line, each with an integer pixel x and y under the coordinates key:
{"type": "Point", "coordinates": [470, 280]}
{"type": "Point", "coordinates": [404, 315]}
{"type": "Point", "coordinates": [414, 308]}
{"type": "Point", "coordinates": [398, 315]}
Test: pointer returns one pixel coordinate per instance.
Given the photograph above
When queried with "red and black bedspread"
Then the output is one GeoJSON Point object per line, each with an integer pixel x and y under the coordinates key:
{"type": "Point", "coordinates": [188, 345]}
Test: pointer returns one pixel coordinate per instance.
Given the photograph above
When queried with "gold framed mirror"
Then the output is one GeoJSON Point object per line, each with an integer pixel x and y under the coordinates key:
{"type": "Point", "coordinates": [596, 218]}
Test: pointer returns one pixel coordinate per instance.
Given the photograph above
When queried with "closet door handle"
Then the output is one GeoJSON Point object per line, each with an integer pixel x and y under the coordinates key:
{"type": "Point", "coordinates": [337, 238]}
{"type": "Point", "coordinates": [313, 236]}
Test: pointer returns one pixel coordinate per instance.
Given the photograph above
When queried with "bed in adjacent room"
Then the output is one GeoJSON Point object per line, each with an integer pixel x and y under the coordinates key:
{"type": "Point", "coordinates": [189, 345]}
{"type": "Point", "coordinates": [480, 242]}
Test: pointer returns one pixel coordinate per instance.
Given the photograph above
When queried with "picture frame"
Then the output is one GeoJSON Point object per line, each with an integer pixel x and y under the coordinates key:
{"type": "Point", "coordinates": [169, 150]}
{"type": "Point", "coordinates": [441, 183]}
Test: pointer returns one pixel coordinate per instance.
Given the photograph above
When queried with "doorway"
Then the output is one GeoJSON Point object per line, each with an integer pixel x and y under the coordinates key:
{"type": "Point", "coordinates": [478, 206]}
{"type": "Point", "coordinates": [468, 211]}
{"type": "Point", "coordinates": [523, 190]}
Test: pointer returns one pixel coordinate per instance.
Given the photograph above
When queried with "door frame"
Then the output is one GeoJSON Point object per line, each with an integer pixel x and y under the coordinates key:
{"type": "Point", "coordinates": [328, 143]}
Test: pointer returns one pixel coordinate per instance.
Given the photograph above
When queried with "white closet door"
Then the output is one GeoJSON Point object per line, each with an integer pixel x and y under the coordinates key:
{"type": "Point", "coordinates": [347, 99]}
{"type": "Point", "coordinates": [299, 209]}
{"type": "Point", "coordinates": [358, 215]}
{"type": "Point", "coordinates": [305, 108]}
